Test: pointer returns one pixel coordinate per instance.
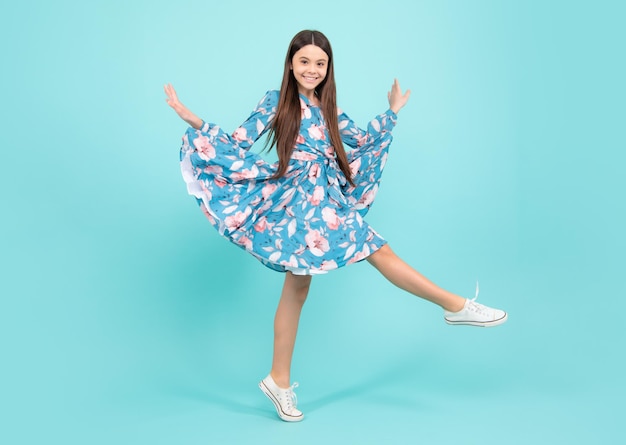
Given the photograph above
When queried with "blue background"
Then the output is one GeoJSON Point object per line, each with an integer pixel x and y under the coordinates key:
{"type": "Point", "coordinates": [126, 319]}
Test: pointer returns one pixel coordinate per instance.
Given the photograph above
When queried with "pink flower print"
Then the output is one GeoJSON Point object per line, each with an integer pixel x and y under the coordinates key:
{"type": "Point", "coordinates": [293, 262]}
{"type": "Point", "coordinates": [255, 201]}
{"type": "Point", "coordinates": [316, 132]}
{"type": "Point", "coordinates": [303, 156]}
{"type": "Point", "coordinates": [235, 221]}
{"type": "Point", "coordinates": [245, 242]}
{"type": "Point", "coordinates": [261, 225]}
{"type": "Point", "coordinates": [367, 199]}
{"type": "Point", "coordinates": [330, 151]}
{"type": "Point", "coordinates": [243, 174]}
{"type": "Point", "coordinates": [355, 166]}
{"type": "Point", "coordinates": [240, 134]}
{"type": "Point", "coordinates": [306, 111]}
{"type": "Point", "coordinates": [300, 140]}
{"type": "Point", "coordinates": [361, 140]}
{"type": "Point", "coordinates": [205, 150]}
{"type": "Point", "coordinates": [317, 196]}
{"type": "Point", "coordinates": [314, 172]}
{"type": "Point", "coordinates": [330, 218]}
{"type": "Point", "coordinates": [316, 242]}
{"type": "Point", "coordinates": [360, 255]}
{"type": "Point", "coordinates": [328, 265]}
{"type": "Point", "coordinates": [268, 189]}
{"type": "Point", "coordinates": [213, 169]}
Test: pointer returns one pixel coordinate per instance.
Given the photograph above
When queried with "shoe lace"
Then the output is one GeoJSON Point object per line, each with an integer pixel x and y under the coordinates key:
{"type": "Point", "coordinates": [291, 396]}
{"type": "Point", "coordinates": [477, 307]}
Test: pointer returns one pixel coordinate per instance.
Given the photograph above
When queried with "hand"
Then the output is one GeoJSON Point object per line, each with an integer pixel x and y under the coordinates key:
{"type": "Point", "coordinates": [397, 100]}
{"type": "Point", "coordinates": [172, 100]}
{"type": "Point", "coordinates": [184, 112]}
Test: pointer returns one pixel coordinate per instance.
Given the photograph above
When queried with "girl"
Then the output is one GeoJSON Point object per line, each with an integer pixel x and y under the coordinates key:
{"type": "Point", "coordinates": [303, 215]}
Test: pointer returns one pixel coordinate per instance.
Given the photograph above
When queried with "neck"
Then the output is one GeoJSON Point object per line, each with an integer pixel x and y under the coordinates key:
{"type": "Point", "coordinates": [309, 94]}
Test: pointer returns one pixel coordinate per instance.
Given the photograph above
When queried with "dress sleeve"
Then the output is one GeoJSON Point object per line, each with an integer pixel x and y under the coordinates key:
{"type": "Point", "coordinates": [254, 127]}
{"type": "Point", "coordinates": [378, 129]}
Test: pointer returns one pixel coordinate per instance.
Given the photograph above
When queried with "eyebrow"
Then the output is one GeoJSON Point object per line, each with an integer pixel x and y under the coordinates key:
{"type": "Point", "coordinates": [318, 60]}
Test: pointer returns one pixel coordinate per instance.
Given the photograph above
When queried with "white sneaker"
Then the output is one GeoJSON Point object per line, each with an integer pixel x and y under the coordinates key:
{"type": "Point", "coordinates": [476, 314]}
{"type": "Point", "coordinates": [284, 400]}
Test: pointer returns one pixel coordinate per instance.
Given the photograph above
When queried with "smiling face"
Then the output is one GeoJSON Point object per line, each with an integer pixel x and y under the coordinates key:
{"type": "Point", "coordinates": [309, 66]}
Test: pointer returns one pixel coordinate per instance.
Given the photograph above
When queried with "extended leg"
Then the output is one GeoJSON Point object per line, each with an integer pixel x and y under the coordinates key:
{"type": "Point", "coordinates": [405, 277]}
{"type": "Point", "coordinates": [458, 310]}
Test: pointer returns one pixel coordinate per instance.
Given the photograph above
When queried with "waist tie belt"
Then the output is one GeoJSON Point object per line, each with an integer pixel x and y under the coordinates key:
{"type": "Point", "coordinates": [330, 170]}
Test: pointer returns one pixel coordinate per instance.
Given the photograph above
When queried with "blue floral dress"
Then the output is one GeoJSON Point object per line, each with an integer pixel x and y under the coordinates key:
{"type": "Point", "coordinates": [310, 220]}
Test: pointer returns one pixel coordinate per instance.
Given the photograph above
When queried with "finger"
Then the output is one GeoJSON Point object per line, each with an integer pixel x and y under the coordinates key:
{"type": "Point", "coordinates": [172, 95]}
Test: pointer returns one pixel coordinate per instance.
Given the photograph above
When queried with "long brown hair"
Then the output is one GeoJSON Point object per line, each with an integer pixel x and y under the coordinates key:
{"type": "Point", "coordinates": [286, 125]}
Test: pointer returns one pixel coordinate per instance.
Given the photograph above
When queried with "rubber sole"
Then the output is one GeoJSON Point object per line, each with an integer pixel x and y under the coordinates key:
{"type": "Point", "coordinates": [279, 411]}
{"type": "Point", "coordinates": [487, 324]}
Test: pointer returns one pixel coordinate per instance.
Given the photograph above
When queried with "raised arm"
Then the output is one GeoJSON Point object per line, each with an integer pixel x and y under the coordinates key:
{"type": "Point", "coordinates": [182, 111]}
{"type": "Point", "coordinates": [378, 128]}
{"type": "Point", "coordinates": [246, 134]}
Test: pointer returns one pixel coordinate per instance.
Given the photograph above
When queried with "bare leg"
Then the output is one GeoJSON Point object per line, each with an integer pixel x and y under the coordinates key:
{"type": "Point", "coordinates": [293, 296]}
{"type": "Point", "coordinates": [405, 277]}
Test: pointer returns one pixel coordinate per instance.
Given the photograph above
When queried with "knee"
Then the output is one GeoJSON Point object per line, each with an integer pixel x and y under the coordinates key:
{"type": "Point", "coordinates": [382, 255]}
{"type": "Point", "coordinates": [301, 296]}
{"type": "Point", "coordinates": [303, 286]}
{"type": "Point", "coordinates": [299, 287]}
